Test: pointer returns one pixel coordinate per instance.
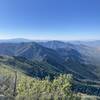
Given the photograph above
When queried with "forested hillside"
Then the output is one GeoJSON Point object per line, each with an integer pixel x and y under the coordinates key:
{"type": "Point", "coordinates": [18, 86]}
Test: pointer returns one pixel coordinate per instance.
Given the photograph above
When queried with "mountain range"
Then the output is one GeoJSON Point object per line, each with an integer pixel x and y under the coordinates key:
{"type": "Point", "coordinates": [43, 58]}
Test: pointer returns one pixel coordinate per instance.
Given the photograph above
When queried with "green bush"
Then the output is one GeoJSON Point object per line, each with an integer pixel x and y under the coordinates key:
{"type": "Point", "coordinates": [36, 89]}
{"type": "Point", "coordinates": [29, 88]}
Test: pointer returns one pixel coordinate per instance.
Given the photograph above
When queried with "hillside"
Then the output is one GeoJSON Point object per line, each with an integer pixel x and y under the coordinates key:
{"type": "Point", "coordinates": [80, 52]}
{"type": "Point", "coordinates": [31, 68]}
{"type": "Point", "coordinates": [7, 76]}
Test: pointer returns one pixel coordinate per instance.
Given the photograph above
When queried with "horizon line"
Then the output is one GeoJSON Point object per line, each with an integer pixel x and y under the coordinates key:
{"type": "Point", "coordinates": [4, 39]}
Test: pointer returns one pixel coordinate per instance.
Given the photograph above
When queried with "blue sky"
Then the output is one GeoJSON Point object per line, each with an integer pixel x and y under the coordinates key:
{"type": "Point", "coordinates": [50, 19]}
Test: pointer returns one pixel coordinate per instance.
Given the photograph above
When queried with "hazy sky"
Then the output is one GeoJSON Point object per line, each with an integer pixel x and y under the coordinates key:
{"type": "Point", "coordinates": [50, 19]}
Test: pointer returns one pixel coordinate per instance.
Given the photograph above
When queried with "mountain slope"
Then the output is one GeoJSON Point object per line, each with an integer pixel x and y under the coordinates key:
{"type": "Point", "coordinates": [31, 68]}
{"type": "Point", "coordinates": [85, 57]}
{"type": "Point", "coordinates": [65, 59]}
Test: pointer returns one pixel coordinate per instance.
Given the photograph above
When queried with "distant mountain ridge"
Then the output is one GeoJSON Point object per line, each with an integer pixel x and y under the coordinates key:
{"type": "Point", "coordinates": [19, 40]}
{"type": "Point", "coordinates": [16, 40]}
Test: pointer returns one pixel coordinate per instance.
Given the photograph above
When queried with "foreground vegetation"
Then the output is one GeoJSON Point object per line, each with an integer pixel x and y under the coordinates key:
{"type": "Point", "coordinates": [34, 89]}
{"type": "Point", "coordinates": [18, 86]}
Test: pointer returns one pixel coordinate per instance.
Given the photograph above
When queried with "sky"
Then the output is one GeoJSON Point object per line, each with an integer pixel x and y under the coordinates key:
{"type": "Point", "coordinates": [50, 19]}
